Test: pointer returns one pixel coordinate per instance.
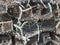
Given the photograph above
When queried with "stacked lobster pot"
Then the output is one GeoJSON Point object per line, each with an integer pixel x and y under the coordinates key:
{"type": "Point", "coordinates": [57, 12]}
{"type": "Point", "coordinates": [6, 25]}
{"type": "Point", "coordinates": [57, 16]}
{"type": "Point", "coordinates": [3, 7]}
{"type": "Point", "coordinates": [25, 16]}
{"type": "Point", "coordinates": [48, 22]}
{"type": "Point", "coordinates": [31, 18]}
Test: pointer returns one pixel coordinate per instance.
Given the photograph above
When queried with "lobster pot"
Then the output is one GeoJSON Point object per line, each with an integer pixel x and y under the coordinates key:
{"type": "Point", "coordinates": [58, 28]}
{"type": "Point", "coordinates": [13, 10]}
{"type": "Point", "coordinates": [46, 14]}
{"type": "Point", "coordinates": [5, 39]}
{"type": "Point", "coordinates": [48, 25]}
{"type": "Point", "coordinates": [6, 24]}
{"type": "Point", "coordinates": [3, 8]}
{"type": "Point", "coordinates": [30, 26]}
{"type": "Point", "coordinates": [33, 14]}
